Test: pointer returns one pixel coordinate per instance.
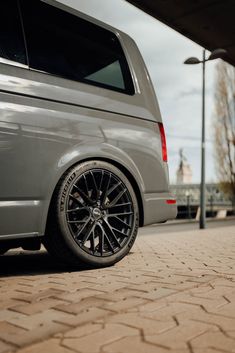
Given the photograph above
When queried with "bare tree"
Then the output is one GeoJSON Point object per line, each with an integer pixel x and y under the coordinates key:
{"type": "Point", "coordinates": [224, 127]}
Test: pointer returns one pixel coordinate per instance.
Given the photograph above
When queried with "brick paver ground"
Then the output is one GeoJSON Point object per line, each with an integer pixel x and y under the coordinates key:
{"type": "Point", "coordinates": [173, 293]}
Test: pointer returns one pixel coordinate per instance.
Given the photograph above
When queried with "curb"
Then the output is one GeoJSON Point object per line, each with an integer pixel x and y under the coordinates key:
{"type": "Point", "coordinates": [192, 221]}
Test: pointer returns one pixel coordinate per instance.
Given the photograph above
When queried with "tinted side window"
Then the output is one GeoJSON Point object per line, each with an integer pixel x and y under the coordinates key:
{"type": "Point", "coordinates": [11, 36]}
{"type": "Point", "coordinates": [65, 45]}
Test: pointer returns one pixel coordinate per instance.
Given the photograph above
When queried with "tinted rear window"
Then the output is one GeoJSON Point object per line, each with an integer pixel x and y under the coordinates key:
{"type": "Point", "coordinates": [11, 34]}
{"type": "Point", "coordinates": [65, 45]}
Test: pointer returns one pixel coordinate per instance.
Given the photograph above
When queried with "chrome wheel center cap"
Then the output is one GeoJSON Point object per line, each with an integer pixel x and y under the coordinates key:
{"type": "Point", "coordinates": [97, 214]}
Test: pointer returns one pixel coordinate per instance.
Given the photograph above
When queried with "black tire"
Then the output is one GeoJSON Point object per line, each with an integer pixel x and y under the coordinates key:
{"type": "Point", "coordinates": [94, 216]}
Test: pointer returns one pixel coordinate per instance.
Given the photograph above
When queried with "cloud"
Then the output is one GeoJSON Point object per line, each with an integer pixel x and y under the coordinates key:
{"type": "Point", "coordinates": [191, 92]}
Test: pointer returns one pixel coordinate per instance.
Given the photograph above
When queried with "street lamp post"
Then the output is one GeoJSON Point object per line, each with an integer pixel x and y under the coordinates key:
{"type": "Point", "coordinates": [203, 146]}
{"type": "Point", "coordinates": [215, 54]}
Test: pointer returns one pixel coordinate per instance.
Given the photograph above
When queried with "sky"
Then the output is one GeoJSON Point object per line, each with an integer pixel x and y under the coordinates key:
{"type": "Point", "coordinates": [178, 87]}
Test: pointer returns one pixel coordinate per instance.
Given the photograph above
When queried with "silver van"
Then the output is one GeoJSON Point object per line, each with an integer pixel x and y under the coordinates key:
{"type": "Point", "coordinates": [83, 158]}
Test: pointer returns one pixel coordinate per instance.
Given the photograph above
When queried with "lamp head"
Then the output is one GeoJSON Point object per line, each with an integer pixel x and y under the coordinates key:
{"type": "Point", "coordinates": [217, 54]}
{"type": "Point", "coordinates": [192, 61]}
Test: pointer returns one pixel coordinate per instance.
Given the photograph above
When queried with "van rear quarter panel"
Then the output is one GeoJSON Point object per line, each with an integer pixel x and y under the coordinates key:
{"type": "Point", "coordinates": [48, 124]}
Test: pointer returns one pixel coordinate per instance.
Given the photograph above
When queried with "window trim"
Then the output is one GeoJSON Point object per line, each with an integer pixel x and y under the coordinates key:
{"type": "Point", "coordinates": [23, 33]}
{"type": "Point", "coordinates": [13, 63]}
{"type": "Point", "coordinates": [86, 82]}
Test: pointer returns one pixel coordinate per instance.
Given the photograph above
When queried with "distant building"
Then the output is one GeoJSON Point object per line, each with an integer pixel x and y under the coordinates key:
{"type": "Point", "coordinates": [184, 172]}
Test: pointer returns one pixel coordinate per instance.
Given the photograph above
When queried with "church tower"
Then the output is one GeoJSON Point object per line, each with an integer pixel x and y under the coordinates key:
{"type": "Point", "coordinates": [184, 172]}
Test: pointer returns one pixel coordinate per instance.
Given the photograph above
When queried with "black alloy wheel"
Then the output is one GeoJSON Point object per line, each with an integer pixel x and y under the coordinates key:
{"type": "Point", "coordinates": [97, 215]}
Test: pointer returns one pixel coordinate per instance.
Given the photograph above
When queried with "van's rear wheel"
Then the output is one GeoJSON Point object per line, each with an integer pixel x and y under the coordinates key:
{"type": "Point", "coordinates": [94, 215]}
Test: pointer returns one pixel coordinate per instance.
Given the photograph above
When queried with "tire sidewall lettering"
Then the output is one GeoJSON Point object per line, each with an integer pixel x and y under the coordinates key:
{"type": "Point", "coordinates": [64, 191]}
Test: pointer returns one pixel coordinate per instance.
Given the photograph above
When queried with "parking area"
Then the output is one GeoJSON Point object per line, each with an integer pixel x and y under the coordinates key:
{"type": "Point", "coordinates": [175, 292]}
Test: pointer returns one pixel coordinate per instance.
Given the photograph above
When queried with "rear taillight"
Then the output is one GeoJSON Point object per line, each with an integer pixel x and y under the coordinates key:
{"type": "Point", "coordinates": [163, 140]}
{"type": "Point", "coordinates": [171, 201]}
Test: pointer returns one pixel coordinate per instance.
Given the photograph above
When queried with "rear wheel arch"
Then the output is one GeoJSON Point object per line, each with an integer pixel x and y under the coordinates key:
{"type": "Point", "coordinates": [122, 168]}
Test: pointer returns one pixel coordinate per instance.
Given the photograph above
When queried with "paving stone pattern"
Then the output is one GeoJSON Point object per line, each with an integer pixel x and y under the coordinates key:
{"type": "Point", "coordinates": [174, 293]}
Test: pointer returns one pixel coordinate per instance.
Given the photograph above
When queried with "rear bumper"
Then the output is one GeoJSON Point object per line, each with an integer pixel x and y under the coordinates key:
{"type": "Point", "coordinates": [157, 209]}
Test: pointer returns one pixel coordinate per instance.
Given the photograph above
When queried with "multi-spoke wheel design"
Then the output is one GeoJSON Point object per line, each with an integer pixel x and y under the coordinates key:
{"type": "Point", "coordinates": [97, 214]}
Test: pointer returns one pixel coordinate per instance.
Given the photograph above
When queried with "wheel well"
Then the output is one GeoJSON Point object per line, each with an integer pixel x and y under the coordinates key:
{"type": "Point", "coordinates": [129, 177]}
